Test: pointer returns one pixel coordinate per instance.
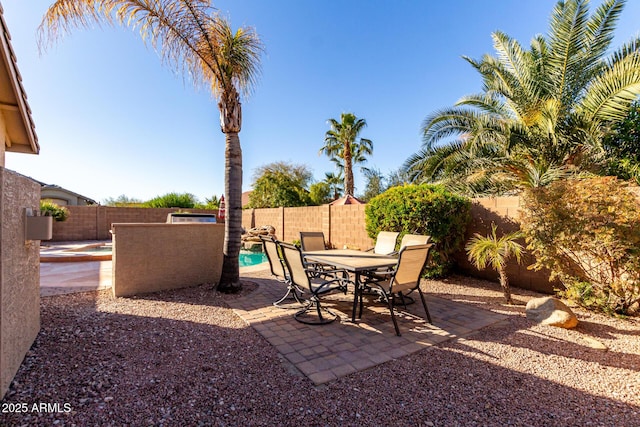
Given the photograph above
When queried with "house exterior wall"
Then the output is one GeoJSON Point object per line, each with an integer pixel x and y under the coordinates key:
{"type": "Point", "coordinates": [62, 197]}
{"type": "Point", "coordinates": [154, 257]}
{"type": "Point", "coordinates": [19, 274]}
{"type": "Point", "coordinates": [3, 139]}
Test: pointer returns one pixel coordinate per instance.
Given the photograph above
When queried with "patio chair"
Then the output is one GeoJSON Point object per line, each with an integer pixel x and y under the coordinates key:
{"type": "Point", "coordinates": [279, 269]}
{"type": "Point", "coordinates": [407, 240]}
{"type": "Point", "coordinates": [385, 242]}
{"type": "Point", "coordinates": [315, 286]}
{"type": "Point", "coordinates": [414, 239]}
{"type": "Point", "coordinates": [312, 241]}
{"type": "Point", "coordinates": [404, 279]}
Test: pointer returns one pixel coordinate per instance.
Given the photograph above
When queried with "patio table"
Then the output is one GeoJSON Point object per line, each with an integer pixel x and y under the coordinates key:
{"type": "Point", "coordinates": [353, 261]}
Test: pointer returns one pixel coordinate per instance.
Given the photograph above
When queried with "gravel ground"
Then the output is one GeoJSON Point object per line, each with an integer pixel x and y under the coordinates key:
{"type": "Point", "coordinates": [183, 358]}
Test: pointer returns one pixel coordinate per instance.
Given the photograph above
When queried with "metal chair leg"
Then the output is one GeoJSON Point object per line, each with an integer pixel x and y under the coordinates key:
{"type": "Point", "coordinates": [424, 304]}
{"type": "Point", "coordinates": [291, 290]}
{"type": "Point", "coordinates": [391, 302]}
{"type": "Point", "coordinates": [322, 320]}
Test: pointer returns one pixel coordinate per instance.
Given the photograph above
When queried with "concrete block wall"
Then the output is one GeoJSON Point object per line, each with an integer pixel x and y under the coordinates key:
{"type": "Point", "coordinates": [271, 216]}
{"type": "Point", "coordinates": [248, 221]}
{"type": "Point", "coordinates": [504, 212]}
{"type": "Point", "coordinates": [154, 257]}
{"type": "Point", "coordinates": [348, 227]}
{"type": "Point", "coordinates": [19, 274]}
{"type": "Point", "coordinates": [308, 218]}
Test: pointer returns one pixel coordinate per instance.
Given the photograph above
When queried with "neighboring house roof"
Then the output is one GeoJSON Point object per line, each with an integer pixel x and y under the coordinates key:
{"type": "Point", "coordinates": [20, 130]}
{"type": "Point", "coordinates": [346, 200]}
{"type": "Point", "coordinates": [57, 188]}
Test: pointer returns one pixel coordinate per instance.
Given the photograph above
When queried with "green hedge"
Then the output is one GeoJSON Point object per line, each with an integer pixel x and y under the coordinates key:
{"type": "Point", "coordinates": [422, 209]}
{"type": "Point", "coordinates": [172, 200]}
{"type": "Point", "coordinates": [49, 208]}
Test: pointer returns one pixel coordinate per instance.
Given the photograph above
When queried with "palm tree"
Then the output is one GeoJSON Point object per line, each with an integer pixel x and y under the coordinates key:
{"type": "Point", "coordinates": [341, 142]}
{"type": "Point", "coordinates": [553, 102]}
{"type": "Point", "coordinates": [359, 153]}
{"type": "Point", "coordinates": [494, 251]}
{"type": "Point", "coordinates": [198, 42]}
{"type": "Point", "coordinates": [335, 181]}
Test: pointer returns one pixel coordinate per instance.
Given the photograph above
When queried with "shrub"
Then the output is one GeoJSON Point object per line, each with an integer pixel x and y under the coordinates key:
{"type": "Point", "coordinates": [59, 213]}
{"type": "Point", "coordinates": [172, 200]}
{"type": "Point", "coordinates": [422, 209]}
{"type": "Point", "coordinates": [587, 233]}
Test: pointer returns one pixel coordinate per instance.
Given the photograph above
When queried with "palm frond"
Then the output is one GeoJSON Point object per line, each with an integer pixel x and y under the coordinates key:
{"type": "Point", "coordinates": [188, 35]}
{"type": "Point", "coordinates": [610, 95]}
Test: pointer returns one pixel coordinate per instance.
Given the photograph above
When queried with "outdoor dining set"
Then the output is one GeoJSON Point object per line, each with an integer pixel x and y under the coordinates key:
{"type": "Point", "coordinates": [311, 271]}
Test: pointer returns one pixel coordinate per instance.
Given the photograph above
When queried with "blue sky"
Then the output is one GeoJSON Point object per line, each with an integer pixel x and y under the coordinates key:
{"type": "Point", "coordinates": [112, 120]}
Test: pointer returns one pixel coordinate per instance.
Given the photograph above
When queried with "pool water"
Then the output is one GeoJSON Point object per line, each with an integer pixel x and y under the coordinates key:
{"type": "Point", "coordinates": [248, 258]}
{"type": "Point", "coordinates": [104, 248]}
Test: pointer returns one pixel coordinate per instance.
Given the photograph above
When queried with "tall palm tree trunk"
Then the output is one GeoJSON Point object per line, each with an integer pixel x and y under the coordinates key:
{"type": "Point", "coordinates": [348, 171]}
{"type": "Point", "coordinates": [230, 279]}
{"type": "Point", "coordinates": [231, 123]}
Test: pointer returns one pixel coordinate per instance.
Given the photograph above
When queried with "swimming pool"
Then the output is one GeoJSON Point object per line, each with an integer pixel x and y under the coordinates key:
{"type": "Point", "coordinates": [102, 252]}
{"type": "Point", "coordinates": [248, 258]}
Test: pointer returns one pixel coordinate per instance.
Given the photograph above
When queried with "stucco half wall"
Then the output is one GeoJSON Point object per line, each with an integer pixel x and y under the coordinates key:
{"type": "Point", "coordinates": [155, 257]}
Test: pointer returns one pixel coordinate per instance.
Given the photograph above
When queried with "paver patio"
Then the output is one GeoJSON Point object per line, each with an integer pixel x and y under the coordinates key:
{"type": "Point", "coordinates": [323, 352]}
{"type": "Point", "coordinates": [326, 352]}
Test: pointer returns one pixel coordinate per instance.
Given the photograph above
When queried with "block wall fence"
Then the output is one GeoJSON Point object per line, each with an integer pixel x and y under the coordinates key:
{"type": "Point", "coordinates": [341, 225]}
{"type": "Point", "coordinates": [345, 226]}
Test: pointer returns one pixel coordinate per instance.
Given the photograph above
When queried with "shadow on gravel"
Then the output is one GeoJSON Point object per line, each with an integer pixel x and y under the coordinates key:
{"type": "Point", "coordinates": [182, 358]}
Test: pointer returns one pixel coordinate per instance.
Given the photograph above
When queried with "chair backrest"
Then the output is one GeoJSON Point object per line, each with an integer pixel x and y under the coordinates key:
{"type": "Point", "coordinates": [312, 241]}
{"type": "Point", "coordinates": [270, 246]}
{"type": "Point", "coordinates": [414, 239]}
{"type": "Point", "coordinates": [411, 262]}
{"type": "Point", "coordinates": [293, 259]}
{"type": "Point", "coordinates": [385, 242]}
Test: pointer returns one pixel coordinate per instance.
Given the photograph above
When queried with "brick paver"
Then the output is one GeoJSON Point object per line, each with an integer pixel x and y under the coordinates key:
{"type": "Point", "coordinates": [326, 352]}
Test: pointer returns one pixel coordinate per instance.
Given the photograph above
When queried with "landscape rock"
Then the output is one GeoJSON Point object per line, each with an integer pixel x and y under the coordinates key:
{"type": "Point", "coordinates": [551, 311]}
{"type": "Point", "coordinates": [594, 343]}
{"type": "Point", "coordinates": [251, 238]}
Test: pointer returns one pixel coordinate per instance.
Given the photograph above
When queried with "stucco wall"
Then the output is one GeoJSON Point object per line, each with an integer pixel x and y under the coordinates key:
{"type": "Point", "coordinates": [19, 274]}
{"type": "Point", "coordinates": [94, 222]}
{"type": "Point", "coordinates": [154, 257]}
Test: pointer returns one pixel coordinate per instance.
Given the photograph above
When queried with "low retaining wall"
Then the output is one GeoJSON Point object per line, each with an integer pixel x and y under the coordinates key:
{"type": "Point", "coordinates": [155, 257]}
